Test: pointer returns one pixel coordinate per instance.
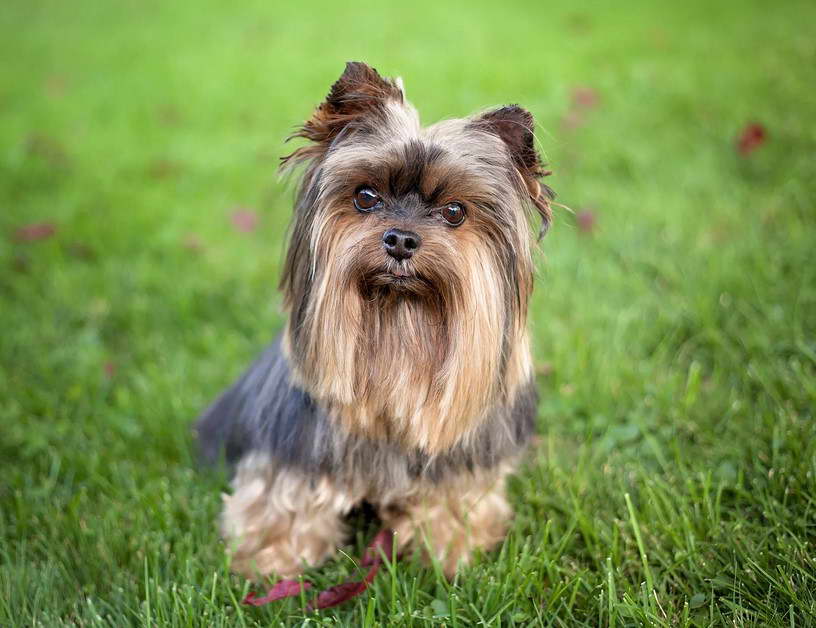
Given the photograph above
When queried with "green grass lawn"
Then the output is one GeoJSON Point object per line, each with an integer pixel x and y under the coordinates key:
{"type": "Point", "coordinates": [674, 481]}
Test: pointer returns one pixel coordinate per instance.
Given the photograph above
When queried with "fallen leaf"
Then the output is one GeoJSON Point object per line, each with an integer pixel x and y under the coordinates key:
{"type": "Point", "coordinates": [193, 242]}
{"type": "Point", "coordinates": [247, 118]}
{"type": "Point", "coordinates": [572, 120]}
{"type": "Point", "coordinates": [47, 148]}
{"type": "Point", "coordinates": [585, 97]}
{"type": "Point", "coordinates": [244, 220]}
{"type": "Point", "coordinates": [20, 263]}
{"type": "Point", "coordinates": [81, 251]}
{"type": "Point", "coordinates": [163, 169]}
{"type": "Point", "coordinates": [382, 545]}
{"type": "Point", "coordinates": [342, 592]}
{"type": "Point", "coordinates": [169, 115]}
{"type": "Point", "coordinates": [35, 231]}
{"type": "Point", "coordinates": [281, 590]}
{"type": "Point", "coordinates": [544, 369]}
{"type": "Point", "coordinates": [752, 136]}
{"type": "Point", "coordinates": [659, 37]}
{"type": "Point", "coordinates": [586, 221]}
{"type": "Point", "coordinates": [56, 85]}
{"type": "Point", "coordinates": [579, 22]}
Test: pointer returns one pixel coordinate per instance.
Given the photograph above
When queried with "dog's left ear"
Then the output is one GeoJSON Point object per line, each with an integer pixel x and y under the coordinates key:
{"type": "Point", "coordinates": [357, 99]}
{"type": "Point", "coordinates": [514, 126]}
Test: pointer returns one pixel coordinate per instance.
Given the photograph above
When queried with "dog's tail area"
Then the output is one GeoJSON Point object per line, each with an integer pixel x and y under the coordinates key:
{"type": "Point", "coordinates": [226, 428]}
{"type": "Point", "coordinates": [217, 429]}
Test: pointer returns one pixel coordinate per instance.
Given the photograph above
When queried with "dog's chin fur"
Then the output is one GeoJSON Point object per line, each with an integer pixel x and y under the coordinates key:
{"type": "Point", "coordinates": [388, 285]}
{"type": "Point", "coordinates": [423, 363]}
{"type": "Point", "coordinates": [408, 364]}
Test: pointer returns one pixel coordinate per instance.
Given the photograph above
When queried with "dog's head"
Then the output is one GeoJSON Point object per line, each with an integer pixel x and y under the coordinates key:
{"type": "Point", "coordinates": [410, 257]}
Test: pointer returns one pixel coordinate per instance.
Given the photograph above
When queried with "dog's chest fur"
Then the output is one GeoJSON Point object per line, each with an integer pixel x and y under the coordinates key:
{"type": "Point", "coordinates": [264, 413]}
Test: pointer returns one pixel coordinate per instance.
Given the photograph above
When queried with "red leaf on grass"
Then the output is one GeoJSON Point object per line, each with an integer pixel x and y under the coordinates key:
{"type": "Point", "coordinates": [579, 22]}
{"type": "Point", "coordinates": [543, 369]}
{"type": "Point", "coordinates": [35, 231]}
{"type": "Point", "coordinates": [752, 136]}
{"type": "Point", "coordinates": [193, 242]}
{"type": "Point", "coordinates": [382, 544]}
{"type": "Point", "coordinates": [338, 594]}
{"type": "Point", "coordinates": [586, 221]}
{"type": "Point", "coordinates": [20, 263]}
{"type": "Point", "coordinates": [56, 85]}
{"type": "Point", "coordinates": [81, 251]}
{"type": "Point", "coordinates": [244, 220]}
{"type": "Point", "coordinates": [163, 169]}
{"type": "Point", "coordinates": [383, 541]}
{"type": "Point", "coordinates": [343, 592]}
{"type": "Point", "coordinates": [572, 120]}
{"type": "Point", "coordinates": [584, 97]}
{"type": "Point", "coordinates": [169, 115]}
{"type": "Point", "coordinates": [48, 149]}
{"type": "Point", "coordinates": [282, 589]}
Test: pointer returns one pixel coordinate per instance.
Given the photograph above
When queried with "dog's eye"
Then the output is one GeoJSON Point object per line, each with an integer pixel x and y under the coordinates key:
{"type": "Point", "coordinates": [454, 214]}
{"type": "Point", "coordinates": [366, 199]}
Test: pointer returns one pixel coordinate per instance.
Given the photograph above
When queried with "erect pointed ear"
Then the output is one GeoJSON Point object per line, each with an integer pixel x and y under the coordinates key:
{"type": "Point", "coordinates": [358, 96]}
{"type": "Point", "coordinates": [514, 126]}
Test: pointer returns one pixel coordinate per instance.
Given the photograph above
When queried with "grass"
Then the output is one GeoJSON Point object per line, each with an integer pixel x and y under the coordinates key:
{"type": "Point", "coordinates": [675, 476]}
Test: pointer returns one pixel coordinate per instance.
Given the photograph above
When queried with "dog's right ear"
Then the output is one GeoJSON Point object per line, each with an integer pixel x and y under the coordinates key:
{"type": "Point", "coordinates": [357, 99]}
{"type": "Point", "coordinates": [515, 126]}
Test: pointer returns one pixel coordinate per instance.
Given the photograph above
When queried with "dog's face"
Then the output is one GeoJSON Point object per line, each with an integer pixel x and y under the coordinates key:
{"type": "Point", "coordinates": [410, 261]}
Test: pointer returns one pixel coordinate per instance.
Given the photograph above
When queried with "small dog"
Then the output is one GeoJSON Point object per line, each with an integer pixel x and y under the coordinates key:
{"type": "Point", "coordinates": [403, 377]}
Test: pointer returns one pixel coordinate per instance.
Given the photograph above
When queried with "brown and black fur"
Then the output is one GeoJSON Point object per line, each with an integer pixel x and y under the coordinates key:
{"type": "Point", "coordinates": [404, 383]}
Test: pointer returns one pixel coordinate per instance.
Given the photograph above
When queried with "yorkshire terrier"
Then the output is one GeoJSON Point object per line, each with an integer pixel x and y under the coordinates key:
{"type": "Point", "coordinates": [403, 377]}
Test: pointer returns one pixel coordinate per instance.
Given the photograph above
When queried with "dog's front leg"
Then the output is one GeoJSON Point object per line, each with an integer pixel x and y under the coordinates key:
{"type": "Point", "coordinates": [278, 521]}
{"type": "Point", "coordinates": [447, 521]}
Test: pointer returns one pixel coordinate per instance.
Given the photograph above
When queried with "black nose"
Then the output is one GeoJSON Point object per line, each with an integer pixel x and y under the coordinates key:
{"type": "Point", "coordinates": [401, 244]}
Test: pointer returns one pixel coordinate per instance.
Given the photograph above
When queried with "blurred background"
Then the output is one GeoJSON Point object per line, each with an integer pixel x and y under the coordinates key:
{"type": "Point", "coordinates": [142, 227]}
